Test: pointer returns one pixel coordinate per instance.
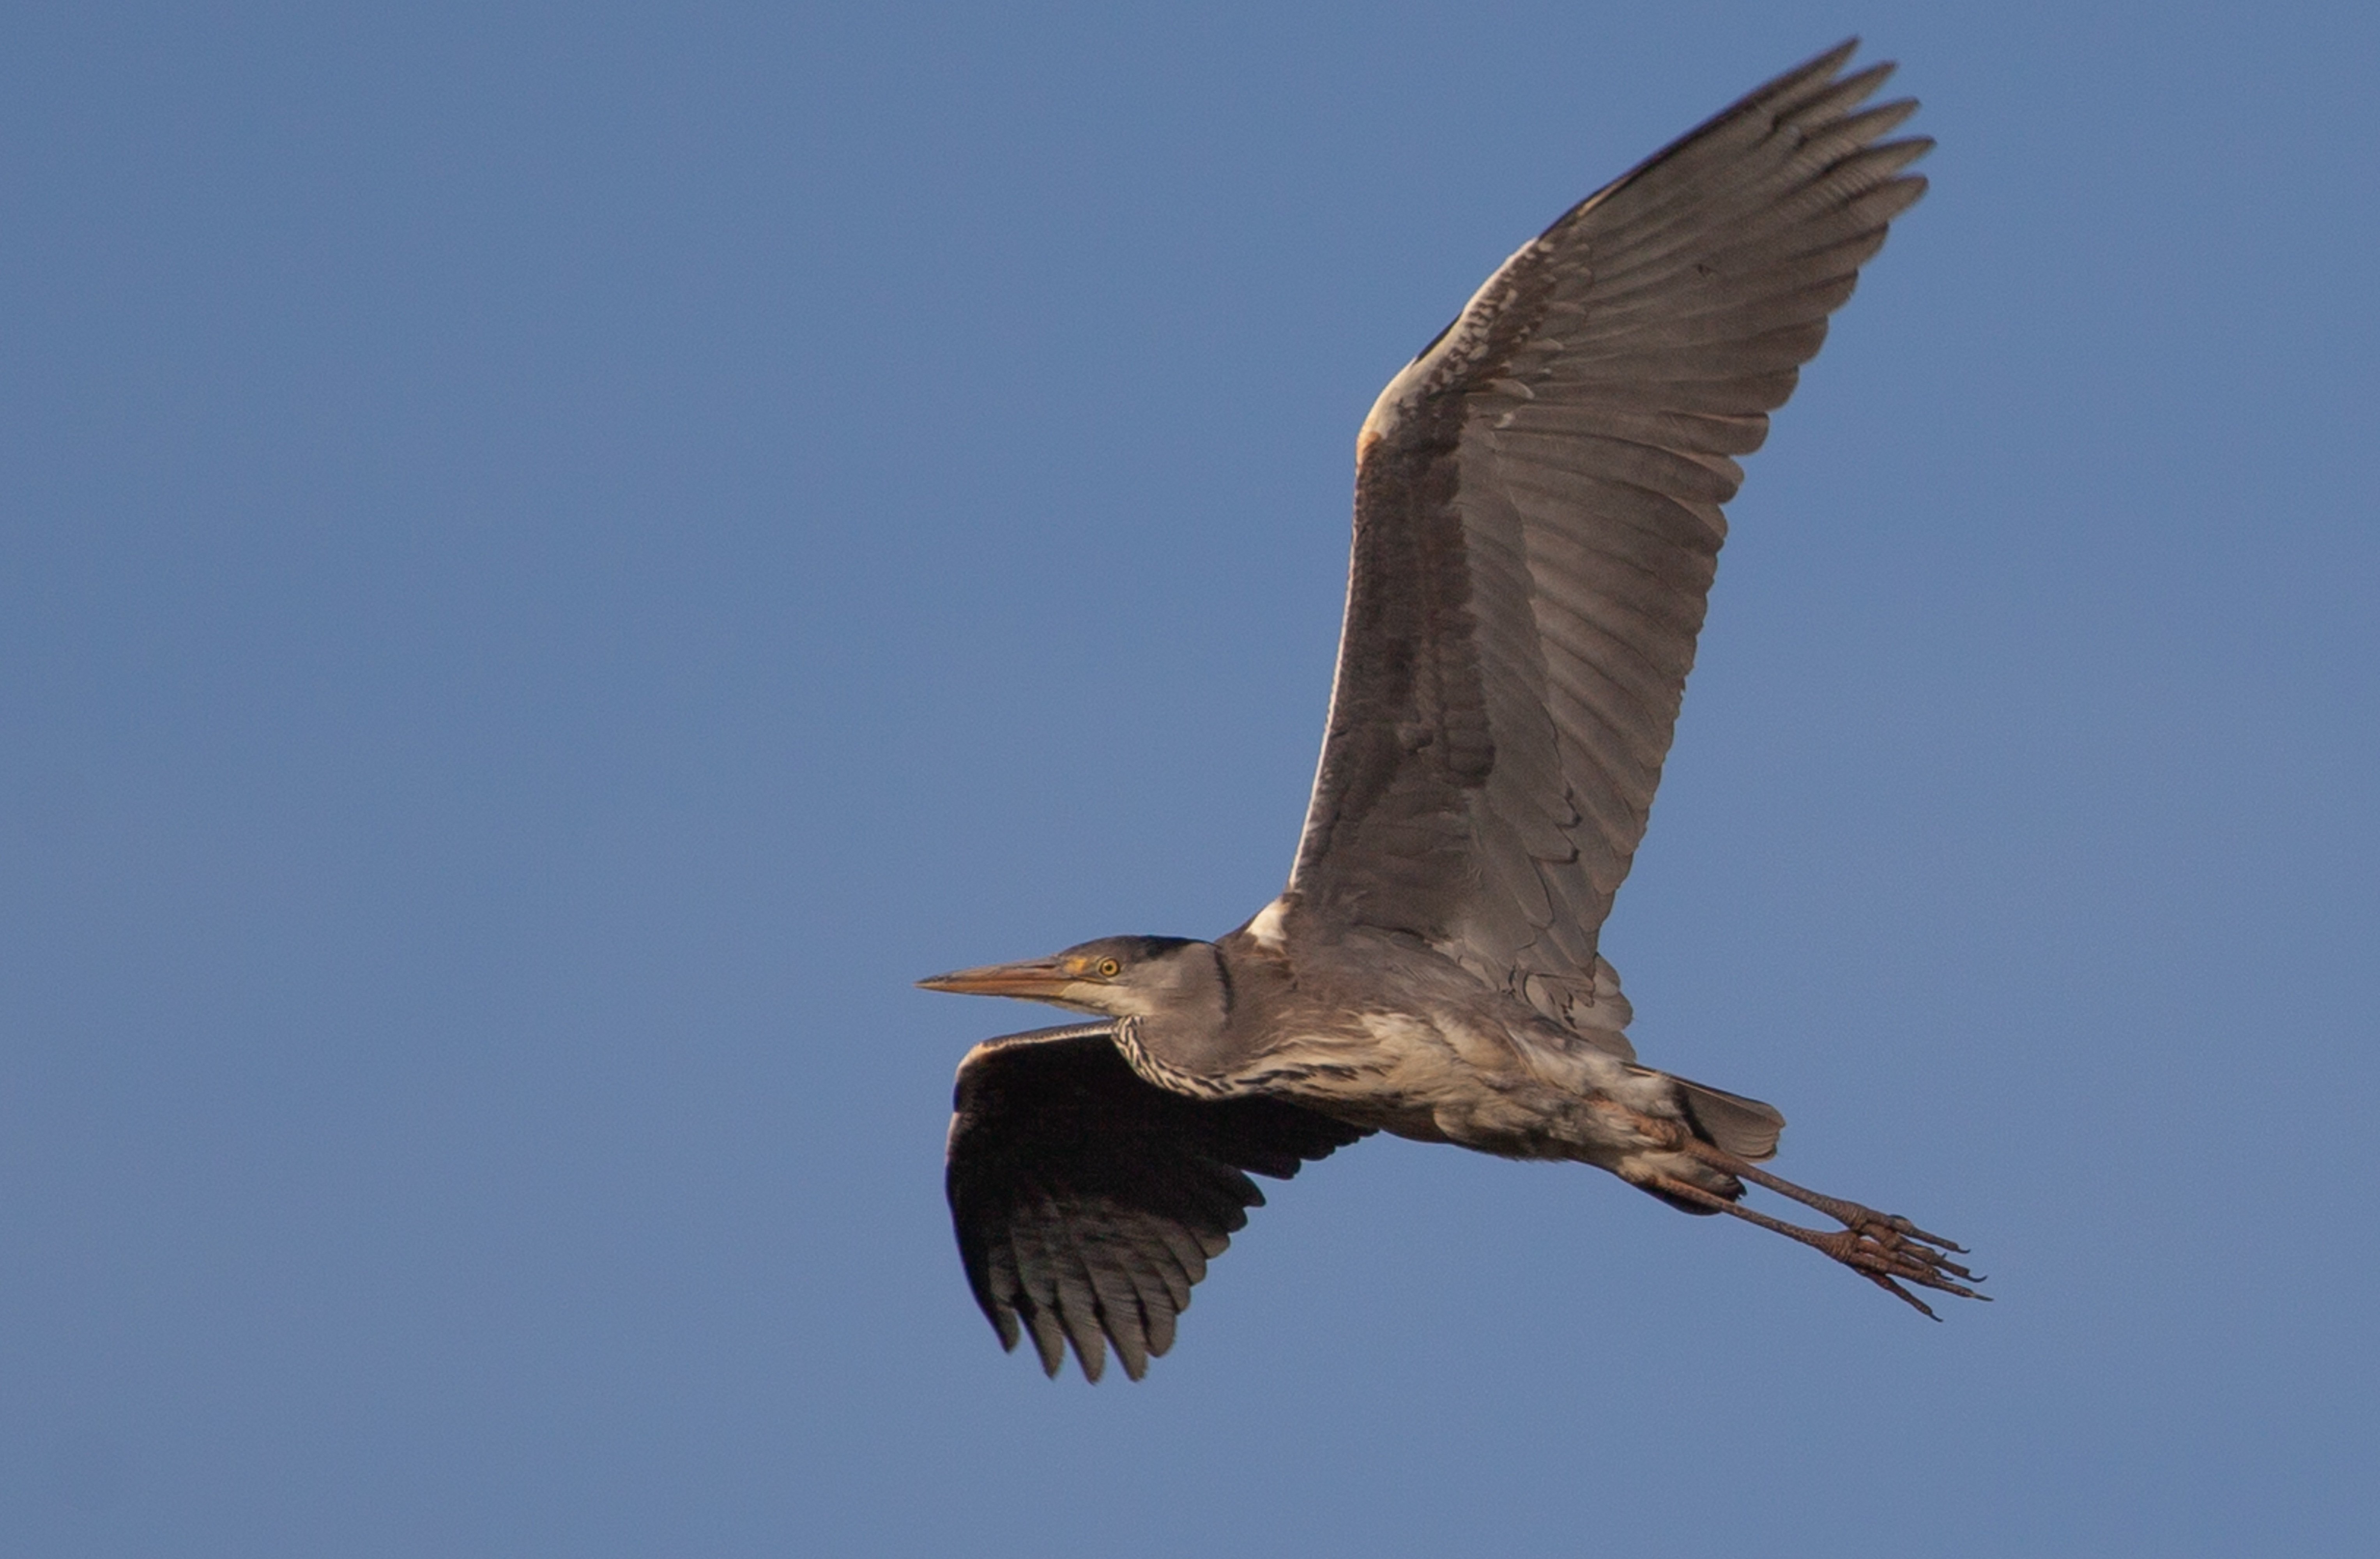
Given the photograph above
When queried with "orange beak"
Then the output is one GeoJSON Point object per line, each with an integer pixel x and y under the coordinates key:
{"type": "Point", "coordinates": [1037, 979]}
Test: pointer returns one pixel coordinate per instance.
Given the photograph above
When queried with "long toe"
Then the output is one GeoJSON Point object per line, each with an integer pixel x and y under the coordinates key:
{"type": "Point", "coordinates": [1889, 1251]}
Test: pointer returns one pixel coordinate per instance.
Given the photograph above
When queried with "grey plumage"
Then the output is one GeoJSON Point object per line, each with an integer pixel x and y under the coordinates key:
{"type": "Point", "coordinates": [1538, 521]}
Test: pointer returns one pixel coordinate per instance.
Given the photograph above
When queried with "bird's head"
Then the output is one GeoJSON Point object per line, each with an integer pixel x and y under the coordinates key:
{"type": "Point", "coordinates": [1115, 977]}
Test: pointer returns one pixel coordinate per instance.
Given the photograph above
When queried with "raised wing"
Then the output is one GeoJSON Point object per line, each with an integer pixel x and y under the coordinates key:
{"type": "Point", "coordinates": [1537, 522]}
{"type": "Point", "coordinates": [1088, 1201]}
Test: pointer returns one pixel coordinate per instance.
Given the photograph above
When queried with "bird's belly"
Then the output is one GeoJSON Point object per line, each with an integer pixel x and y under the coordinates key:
{"type": "Point", "coordinates": [1519, 1096]}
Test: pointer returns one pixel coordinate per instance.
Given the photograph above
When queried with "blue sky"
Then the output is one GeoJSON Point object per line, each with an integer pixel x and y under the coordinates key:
{"type": "Point", "coordinates": [553, 559]}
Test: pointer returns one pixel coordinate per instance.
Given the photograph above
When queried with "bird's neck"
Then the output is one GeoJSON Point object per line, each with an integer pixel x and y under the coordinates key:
{"type": "Point", "coordinates": [1182, 1040]}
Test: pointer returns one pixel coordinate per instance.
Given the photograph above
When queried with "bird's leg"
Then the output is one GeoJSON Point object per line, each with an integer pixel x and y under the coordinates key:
{"type": "Point", "coordinates": [1849, 1214]}
{"type": "Point", "coordinates": [1886, 1249]}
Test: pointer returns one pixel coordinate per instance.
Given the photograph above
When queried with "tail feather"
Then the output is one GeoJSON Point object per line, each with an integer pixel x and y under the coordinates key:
{"type": "Point", "coordinates": [1745, 1127]}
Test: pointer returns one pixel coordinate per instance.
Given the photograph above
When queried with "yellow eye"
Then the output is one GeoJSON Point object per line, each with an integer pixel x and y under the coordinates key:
{"type": "Point", "coordinates": [1109, 969]}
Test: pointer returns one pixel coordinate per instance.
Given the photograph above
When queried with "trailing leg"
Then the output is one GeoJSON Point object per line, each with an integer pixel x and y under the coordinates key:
{"type": "Point", "coordinates": [1886, 1249]}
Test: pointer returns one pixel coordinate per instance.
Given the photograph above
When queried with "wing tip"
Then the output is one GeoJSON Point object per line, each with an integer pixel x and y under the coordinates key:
{"type": "Point", "coordinates": [1822, 67]}
{"type": "Point", "coordinates": [1818, 78]}
{"type": "Point", "coordinates": [1048, 1340]}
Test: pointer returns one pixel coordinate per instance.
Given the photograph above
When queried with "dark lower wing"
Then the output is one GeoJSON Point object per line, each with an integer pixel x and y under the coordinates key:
{"type": "Point", "coordinates": [1088, 1201]}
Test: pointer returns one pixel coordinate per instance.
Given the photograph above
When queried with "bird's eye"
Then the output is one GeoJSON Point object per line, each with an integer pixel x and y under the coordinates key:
{"type": "Point", "coordinates": [1109, 969]}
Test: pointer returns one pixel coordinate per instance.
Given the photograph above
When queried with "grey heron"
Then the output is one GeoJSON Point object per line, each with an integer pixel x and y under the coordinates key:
{"type": "Point", "coordinates": [1537, 520]}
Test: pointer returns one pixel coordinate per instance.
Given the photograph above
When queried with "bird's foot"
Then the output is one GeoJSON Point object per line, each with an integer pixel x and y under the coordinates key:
{"type": "Point", "coordinates": [1885, 1248]}
{"type": "Point", "coordinates": [1890, 1251]}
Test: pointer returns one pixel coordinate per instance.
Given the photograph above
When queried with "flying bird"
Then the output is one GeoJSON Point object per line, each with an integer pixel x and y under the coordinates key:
{"type": "Point", "coordinates": [1537, 520]}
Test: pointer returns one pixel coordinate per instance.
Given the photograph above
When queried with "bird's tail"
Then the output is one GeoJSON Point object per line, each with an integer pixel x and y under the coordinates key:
{"type": "Point", "coordinates": [1741, 1130]}
{"type": "Point", "coordinates": [1745, 1127]}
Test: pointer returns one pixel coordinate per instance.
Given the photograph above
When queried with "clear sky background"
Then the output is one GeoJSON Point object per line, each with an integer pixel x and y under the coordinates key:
{"type": "Point", "coordinates": [553, 558]}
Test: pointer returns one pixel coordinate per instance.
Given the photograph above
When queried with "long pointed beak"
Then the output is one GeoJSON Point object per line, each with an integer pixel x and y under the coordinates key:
{"type": "Point", "coordinates": [1039, 979]}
